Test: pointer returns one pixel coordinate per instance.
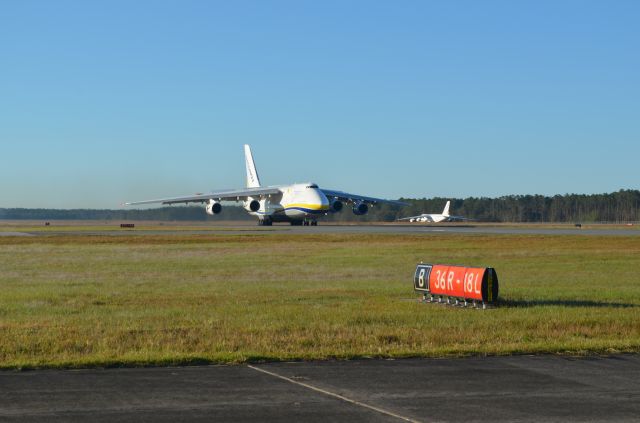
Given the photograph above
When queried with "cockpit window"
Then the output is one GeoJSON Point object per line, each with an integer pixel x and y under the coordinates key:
{"type": "Point", "coordinates": [312, 186]}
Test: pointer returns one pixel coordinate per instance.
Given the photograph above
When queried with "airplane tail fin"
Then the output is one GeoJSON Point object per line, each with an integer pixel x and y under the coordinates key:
{"type": "Point", "coordinates": [445, 212]}
{"type": "Point", "coordinates": [253, 180]}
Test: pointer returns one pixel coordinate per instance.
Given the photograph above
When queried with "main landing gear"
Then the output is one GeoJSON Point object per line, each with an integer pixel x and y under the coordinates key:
{"type": "Point", "coordinates": [265, 222]}
{"type": "Point", "coordinates": [306, 222]}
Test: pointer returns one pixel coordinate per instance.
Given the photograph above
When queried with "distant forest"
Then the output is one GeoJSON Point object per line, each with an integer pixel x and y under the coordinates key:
{"type": "Point", "coordinates": [618, 207]}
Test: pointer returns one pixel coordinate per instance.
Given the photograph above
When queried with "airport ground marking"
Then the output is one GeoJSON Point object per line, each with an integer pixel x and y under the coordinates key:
{"type": "Point", "coordinates": [334, 395]}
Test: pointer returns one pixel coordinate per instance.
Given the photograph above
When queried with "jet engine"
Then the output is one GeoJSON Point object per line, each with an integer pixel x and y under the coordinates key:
{"type": "Point", "coordinates": [253, 206]}
{"type": "Point", "coordinates": [213, 207]}
{"type": "Point", "coordinates": [335, 206]}
{"type": "Point", "coordinates": [360, 208]}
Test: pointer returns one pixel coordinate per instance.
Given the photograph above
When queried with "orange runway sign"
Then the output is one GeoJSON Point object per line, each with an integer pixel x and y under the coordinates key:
{"type": "Point", "coordinates": [460, 282]}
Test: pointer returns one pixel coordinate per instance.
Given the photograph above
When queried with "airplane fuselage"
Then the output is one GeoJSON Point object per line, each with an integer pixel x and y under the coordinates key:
{"type": "Point", "coordinates": [296, 202]}
{"type": "Point", "coordinates": [431, 218]}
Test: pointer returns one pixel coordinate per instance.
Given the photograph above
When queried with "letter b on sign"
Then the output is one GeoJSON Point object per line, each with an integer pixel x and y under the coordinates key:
{"type": "Point", "coordinates": [421, 277]}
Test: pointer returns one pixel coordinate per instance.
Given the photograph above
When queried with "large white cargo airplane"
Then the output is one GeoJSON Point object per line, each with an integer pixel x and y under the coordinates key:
{"type": "Point", "coordinates": [434, 217]}
{"type": "Point", "coordinates": [298, 203]}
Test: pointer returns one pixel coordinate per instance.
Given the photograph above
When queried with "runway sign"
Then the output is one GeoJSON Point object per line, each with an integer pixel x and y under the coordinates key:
{"type": "Point", "coordinates": [457, 282]}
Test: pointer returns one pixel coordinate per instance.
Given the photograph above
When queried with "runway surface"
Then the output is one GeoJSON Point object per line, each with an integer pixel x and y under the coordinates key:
{"type": "Point", "coordinates": [494, 389]}
{"type": "Point", "coordinates": [253, 229]}
{"type": "Point", "coordinates": [458, 229]}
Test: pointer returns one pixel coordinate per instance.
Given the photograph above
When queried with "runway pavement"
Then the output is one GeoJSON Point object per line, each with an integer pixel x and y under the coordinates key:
{"type": "Point", "coordinates": [252, 229]}
{"type": "Point", "coordinates": [494, 389]}
{"type": "Point", "coordinates": [463, 229]}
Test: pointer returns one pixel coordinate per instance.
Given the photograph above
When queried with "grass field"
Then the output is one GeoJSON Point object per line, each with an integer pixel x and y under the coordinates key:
{"type": "Point", "coordinates": [82, 300]}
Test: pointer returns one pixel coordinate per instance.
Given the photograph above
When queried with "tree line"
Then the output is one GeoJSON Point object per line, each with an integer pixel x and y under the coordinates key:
{"type": "Point", "coordinates": [617, 207]}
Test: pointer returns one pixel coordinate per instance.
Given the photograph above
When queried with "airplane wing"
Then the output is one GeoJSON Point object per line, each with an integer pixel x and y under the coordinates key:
{"type": "Point", "coordinates": [229, 195]}
{"type": "Point", "coordinates": [454, 218]}
{"type": "Point", "coordinates": [411, 217]}
{"type": "Point", "coordinates": [352, 198]}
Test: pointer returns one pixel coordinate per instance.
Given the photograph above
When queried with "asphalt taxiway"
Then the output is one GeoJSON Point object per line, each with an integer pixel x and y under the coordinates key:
{"type": "Point", "coordinates": [479, 389]}
{"type": "Point", "coordinates": [390, 229]}
{"type": "Point", "coordinates": [462, 229]}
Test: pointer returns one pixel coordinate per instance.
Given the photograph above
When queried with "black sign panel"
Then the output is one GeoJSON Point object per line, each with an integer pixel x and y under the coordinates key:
{"type": "Point", "coordinates": [421, 278]}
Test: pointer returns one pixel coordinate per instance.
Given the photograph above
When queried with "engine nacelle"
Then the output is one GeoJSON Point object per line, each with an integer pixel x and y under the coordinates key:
{"type": "Point", "coordinates": [360, 209]}
{"type": "Point", "coordinates": [335, 206]}
{"type": "Point", "coordinates": [213, 207]}
{"type": "Point", "coordinates": [253, 206]}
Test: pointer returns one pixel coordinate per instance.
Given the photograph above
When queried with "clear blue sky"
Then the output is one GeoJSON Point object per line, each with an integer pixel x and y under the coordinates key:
{"type": "Point", "coordinates": [102, 102]}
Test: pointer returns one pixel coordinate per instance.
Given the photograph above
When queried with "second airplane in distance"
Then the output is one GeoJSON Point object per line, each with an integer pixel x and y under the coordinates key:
{"type": "Point", "coordinates": [435, 217]}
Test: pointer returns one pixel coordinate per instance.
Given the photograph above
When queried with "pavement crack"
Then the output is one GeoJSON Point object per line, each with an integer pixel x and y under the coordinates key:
{"type": "Point", "coordinates": [334, 395]}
